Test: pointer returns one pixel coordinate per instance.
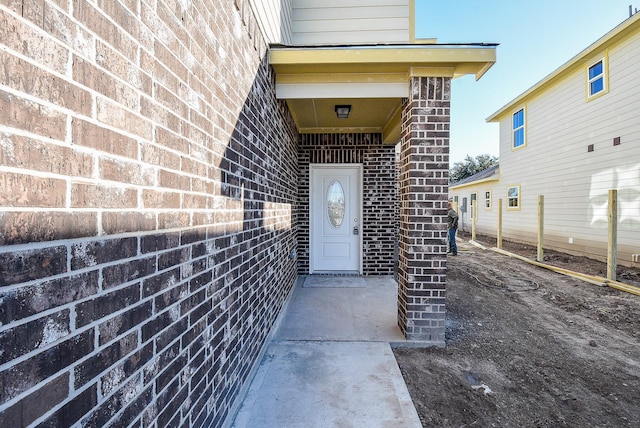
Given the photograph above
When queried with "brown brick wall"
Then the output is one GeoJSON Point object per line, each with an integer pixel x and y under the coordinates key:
{"type": "Point", "coordinates": [380, 197]}
{"type": "Point", "coordinates": [148, 207]}
{"type": "Point", "coordinates": [424, 172]}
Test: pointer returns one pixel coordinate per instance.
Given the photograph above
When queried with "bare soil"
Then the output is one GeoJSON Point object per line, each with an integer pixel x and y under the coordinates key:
{"type": "Point", "coordinates": [527, 347]}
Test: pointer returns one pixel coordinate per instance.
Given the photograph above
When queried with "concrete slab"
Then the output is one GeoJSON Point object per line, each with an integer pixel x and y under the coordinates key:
{"type": "Point", "coordinates": [328, 384]}
{"type": "Point", "coordinates": [330, 363]}
{"type": "Point", "coordinates": [366, 313]}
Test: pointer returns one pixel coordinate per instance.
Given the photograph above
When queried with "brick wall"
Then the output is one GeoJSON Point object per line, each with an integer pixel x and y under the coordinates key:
{"type": "Point", "coordinates": [380, 198]}
{"type": "Point", "coordinates": [148, 188]}
{"type": "Point", "coordinates": [424, 173]}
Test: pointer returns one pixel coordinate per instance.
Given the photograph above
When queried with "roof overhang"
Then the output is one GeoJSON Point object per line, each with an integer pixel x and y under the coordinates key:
{"type": "Point", "coordinates": [491, 179]}
{"type": "Point", "coordinates": [372, 79]}
{"type": "Point", "coordinates": [626, 29]}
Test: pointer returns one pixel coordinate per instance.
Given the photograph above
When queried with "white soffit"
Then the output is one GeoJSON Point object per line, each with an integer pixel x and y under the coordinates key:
{"type": "Point", "coordinates": [342, 90]}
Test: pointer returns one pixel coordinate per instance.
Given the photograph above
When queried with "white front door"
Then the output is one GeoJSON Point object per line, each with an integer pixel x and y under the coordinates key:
{"type": "Point", "coordinates": [335, 226]}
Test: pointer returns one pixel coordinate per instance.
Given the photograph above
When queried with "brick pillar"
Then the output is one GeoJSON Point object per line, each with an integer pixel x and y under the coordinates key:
{"type": "Point", "coordinates": [424, 171]}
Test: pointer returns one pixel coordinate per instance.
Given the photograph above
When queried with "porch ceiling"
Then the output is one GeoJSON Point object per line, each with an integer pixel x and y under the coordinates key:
{"type": "Point", "coordinates": [372, 79]}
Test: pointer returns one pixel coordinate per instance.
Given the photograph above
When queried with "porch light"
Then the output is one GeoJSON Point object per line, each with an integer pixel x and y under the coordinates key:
{"type": "Point", "coordinates": [342, 111]}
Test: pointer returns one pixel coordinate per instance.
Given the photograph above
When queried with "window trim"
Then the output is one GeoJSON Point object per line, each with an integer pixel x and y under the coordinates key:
{"type": "Point", "coordinates": [518, 198]}
{"type": "Point", "coordinates": [488, 200]}
{"type": "Point", "coordinates": [523, 128]}
{"type": "Point", "coordinates": [605, 77]}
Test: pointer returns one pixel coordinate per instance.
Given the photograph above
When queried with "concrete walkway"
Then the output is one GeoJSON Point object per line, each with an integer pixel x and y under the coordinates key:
{"type": "Point", "coordinates": [330, 363]}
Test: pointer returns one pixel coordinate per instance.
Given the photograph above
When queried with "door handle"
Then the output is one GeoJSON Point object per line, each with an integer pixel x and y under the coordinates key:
{"type": "Point", "coordinates": [355, 230]}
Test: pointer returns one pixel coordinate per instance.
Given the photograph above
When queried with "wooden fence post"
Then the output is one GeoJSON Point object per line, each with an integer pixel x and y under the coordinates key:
{"type": "Point", "coordinates": [499, 237]}
{"type": "Point", "coordinates": [474, 213]}
{"type": "Point", "coordinates": [612, 248]}
{"type": "Point", "coordinates": [540, 228]}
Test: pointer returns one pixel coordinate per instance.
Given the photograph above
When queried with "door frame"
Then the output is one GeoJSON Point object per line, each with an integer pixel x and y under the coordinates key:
{"type": "Point", "coordinates": [359, 188]}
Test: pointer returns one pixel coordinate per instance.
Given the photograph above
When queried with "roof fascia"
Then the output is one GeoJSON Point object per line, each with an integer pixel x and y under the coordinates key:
{"type": "Point", "coordinates": [626, 28]}
{"type": "Point", "coordinates": [473, 183]}
{"type": "Point", "coordinates": [455, 59]}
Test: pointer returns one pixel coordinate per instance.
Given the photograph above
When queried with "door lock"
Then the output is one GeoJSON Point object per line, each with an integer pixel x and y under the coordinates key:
{"type": "Point", "coordinates": [355, 230]}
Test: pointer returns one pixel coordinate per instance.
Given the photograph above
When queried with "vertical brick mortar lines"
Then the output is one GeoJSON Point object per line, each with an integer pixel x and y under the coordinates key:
{"type": "Point", "coordinates": [424, 165]}
{"type": "Point", "coordinates": [148, 206]}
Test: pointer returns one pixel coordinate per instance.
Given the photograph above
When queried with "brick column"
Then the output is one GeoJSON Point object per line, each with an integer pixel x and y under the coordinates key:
{"type": "Point", "coordinates": [424, 166]}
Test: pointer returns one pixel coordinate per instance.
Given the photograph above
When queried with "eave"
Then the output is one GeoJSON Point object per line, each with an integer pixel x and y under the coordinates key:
{"type": "Point", "coordinates": [622, 31]}
{"type": "Point", "coordinates": [474, 183]}
{"type": "Point", "coordinates": [372, 79]}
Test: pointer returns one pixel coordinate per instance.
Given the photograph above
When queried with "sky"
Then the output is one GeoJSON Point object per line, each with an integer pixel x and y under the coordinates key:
{"type": "Point", "coordinates": [535, 37]}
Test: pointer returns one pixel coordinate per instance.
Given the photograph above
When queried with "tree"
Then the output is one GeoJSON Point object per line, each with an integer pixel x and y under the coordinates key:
{"type": "Point", "coordinates": [471, 166]}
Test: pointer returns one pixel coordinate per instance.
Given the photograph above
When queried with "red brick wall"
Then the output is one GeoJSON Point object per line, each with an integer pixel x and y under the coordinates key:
{"type": "Point", "coordinates": [148, 188]}
{"type": "Point", "coordinates": [380, 194]}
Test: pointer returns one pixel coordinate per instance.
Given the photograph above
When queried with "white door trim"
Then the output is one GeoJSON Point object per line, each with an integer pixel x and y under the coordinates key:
{"type": "Point", "coordinates": [358, 188]}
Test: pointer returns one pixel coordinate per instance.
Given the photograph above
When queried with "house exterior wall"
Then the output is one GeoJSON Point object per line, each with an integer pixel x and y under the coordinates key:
{"type": "Point", "coordinates": [380, 197]}
{"type": "Point", "coordinates": [487, 217]}
{"type": "Point", "coordinates": [274, 19]}
{"type": "Point", "coordinates": [556, 162]}
{"type": "Point", "coordinates": [148, 209]}
{"type": "Point", "coordinates": [350, 22]}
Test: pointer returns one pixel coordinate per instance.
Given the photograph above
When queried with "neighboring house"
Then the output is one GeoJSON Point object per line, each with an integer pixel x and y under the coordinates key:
{"type": "Point", "coordinates": [170, 167]}
{"type": "Point", "coordinates": [572, 137]}
{"type": "Point", "coordinates": [466, 193]}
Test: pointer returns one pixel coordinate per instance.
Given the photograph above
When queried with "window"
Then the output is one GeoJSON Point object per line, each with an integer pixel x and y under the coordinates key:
{"type": "Point", "coordinates": [596, 78]}
{"type": "Point", "coordinates": [513, 198]}
{"type": "Point", "coordinates": [474, 206]}
{"type": "Point", "coordinates": [487, 199]}
{"type": "Point", "coordinates": [335, 204]}
{"type": "Point", "coordinates": [518, 129]}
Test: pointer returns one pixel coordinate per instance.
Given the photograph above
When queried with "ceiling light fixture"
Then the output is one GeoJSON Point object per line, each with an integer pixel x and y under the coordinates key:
{"type": "Point", "coordinates": [342, 111]}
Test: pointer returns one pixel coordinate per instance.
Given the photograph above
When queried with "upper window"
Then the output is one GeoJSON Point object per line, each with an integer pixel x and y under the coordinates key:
{"type": "Point", "coordinates": [596, 78]}
{"type": "Point", "coordinates": [518, 129]}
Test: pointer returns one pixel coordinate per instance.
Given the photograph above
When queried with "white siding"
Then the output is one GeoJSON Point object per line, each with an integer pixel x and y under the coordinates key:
{"type": "Point", "coordinates": [560, 124]}
{"type": "Point", "coordinates": [487, 223]}
{"type": "Point", "coordinates": [350, 21]}
{"type": "Point", "coordinates": [274, 18]}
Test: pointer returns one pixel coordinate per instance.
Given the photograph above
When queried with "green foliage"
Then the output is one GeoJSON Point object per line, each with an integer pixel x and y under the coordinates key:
{"type": "Point", "coordinates": [470, 166]}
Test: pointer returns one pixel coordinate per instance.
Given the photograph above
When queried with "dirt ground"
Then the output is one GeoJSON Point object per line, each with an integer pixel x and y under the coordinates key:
{"type": "Point", "coordinates": [527, 347]}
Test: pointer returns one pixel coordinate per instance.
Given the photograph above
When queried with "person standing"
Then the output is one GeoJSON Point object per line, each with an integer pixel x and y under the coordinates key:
{"type": "Point", "coordinates": [452, 225]}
